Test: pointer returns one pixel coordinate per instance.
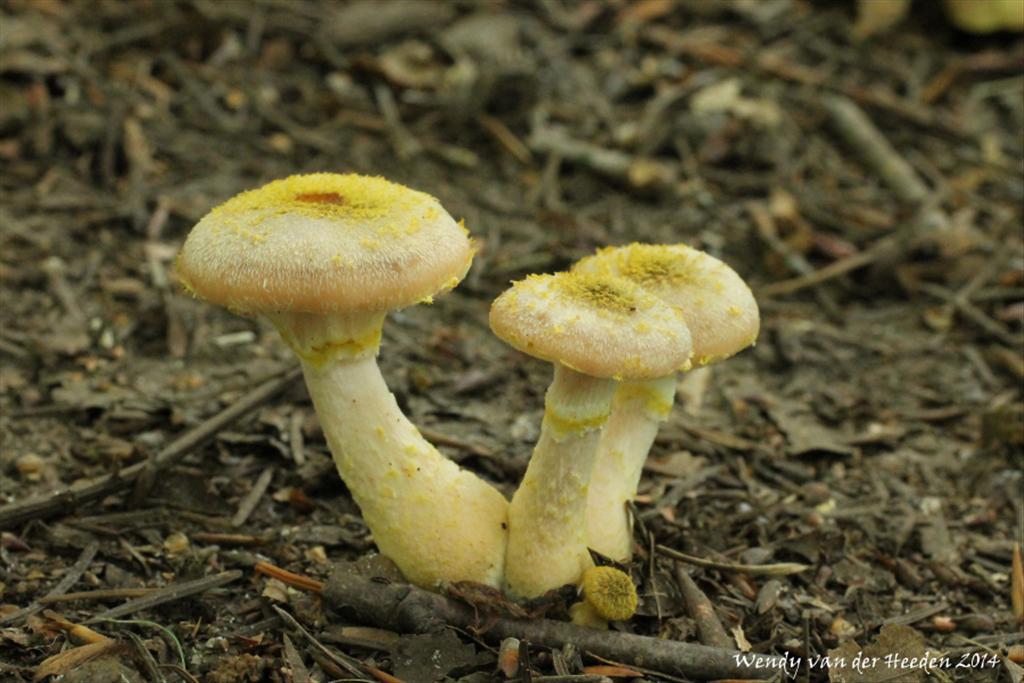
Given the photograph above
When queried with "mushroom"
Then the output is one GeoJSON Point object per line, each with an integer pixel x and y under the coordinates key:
{"type": "Point", "coordinates": [608, 595]}
{"type": "Point", "coordinates": [324, 257]}
{"type": "Point", "coordinates": [986, 17]}
{"type": "Point", "coordinates": [595, 329]}
{"type": "Point", "coordinates": [723, 319]}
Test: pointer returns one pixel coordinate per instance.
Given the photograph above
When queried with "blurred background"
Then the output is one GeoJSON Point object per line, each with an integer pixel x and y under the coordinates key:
{"type": "Point", "coordinates": [859, 163]}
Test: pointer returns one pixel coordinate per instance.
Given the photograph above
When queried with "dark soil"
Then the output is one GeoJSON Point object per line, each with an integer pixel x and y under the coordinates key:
{"type": "Point", "coordinates": [874, 433]}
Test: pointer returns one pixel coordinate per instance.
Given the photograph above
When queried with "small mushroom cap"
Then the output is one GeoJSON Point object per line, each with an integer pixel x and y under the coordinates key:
{"type": "Point", "coordinates": [610, 592]}
{"type": "Point", "coordinates": [325, 243]}
{"type": "Point", "coordinates": [717, 304]}
{"type": "Point", "coordinates": [598, 325]}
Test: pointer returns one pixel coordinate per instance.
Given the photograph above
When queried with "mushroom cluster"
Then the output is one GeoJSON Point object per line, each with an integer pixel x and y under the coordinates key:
{"type": "Point", "coordinates": [324, 257]}
{"type": "Point", "coordinates": [597, 331]}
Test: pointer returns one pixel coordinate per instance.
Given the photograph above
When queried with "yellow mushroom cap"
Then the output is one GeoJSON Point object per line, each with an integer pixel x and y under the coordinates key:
{"type": "Point", "coordinates": [610, 592]}
{"type": "Point", "coordinates": [325, 243]}
{"type": "Point", "coordinates": [717, 304]}
{"type": "Point", "coordinates": [986, 16]}
{"type": "Point", "coordinates": [598, 325]}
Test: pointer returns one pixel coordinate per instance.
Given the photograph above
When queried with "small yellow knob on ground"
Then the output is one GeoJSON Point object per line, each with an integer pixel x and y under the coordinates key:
{"type": "Point", "coordinates": [610, 592]}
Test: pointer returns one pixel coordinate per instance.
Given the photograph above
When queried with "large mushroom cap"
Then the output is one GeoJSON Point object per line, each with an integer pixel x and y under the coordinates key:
{"type": "Point", "coordinates": [717, 304]}
{"type": "Point", "coordinates": [595, 324]}
{"type": "Point", "coordinates": [325, 243]}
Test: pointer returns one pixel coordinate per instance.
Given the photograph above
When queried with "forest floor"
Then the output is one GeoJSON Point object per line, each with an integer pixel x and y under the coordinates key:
{"type": "Point", "coordinates": [873, 434]}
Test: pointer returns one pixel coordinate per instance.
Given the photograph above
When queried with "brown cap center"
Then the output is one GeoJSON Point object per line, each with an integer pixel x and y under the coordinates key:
{"type": "Point", "coordinates": [320, 197]}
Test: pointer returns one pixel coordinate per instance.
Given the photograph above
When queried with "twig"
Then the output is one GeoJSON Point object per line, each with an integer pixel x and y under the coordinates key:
{"type": "Point", "coordinates": [795, 261]}
{"type": "Point", "coordinates": [104, 594]}
{"type": "Point", "coordinates": [829, 272]}
{"type": "Point", "coordinates": [289, 578]}
{"type": "Point", "coordinates": [63, 500]}
{"type": "Point", "coordinates": [700, 608]}
{"type": "Point", "coordinates": [203, 97]}
{"type": "Point", "coordinates": [168, 633]}
{"type": "Point", "coordinates": [56, 272]}
{"type": "Point", "coordinates": [228, 539]}
{"type": "Point", "coordinates": [861, 134]}
{"type": "Point", "coordinates": [927, 218]}
{"type": "Point", "coordinates": [402, 141]}
{"type": "Point", "coordinates": [1017, 584]}
{"type": "Point", "coordinates": [769, 234]}
{"type": "Point", "coordinates": [296, 442]}
{"type": "Point", "coordinates": [12, 349]}
{"type": "Point", "coordinates": [506, 138]}
{"type": "Point", "coordinates": [189, 678]}
{"type": "Point", "coordinates": [971, 312]}
{"type": "Point", "coordinates": [679, 489]}
{"type": "Point", "coordinates": [724, 439]}
{"type": "Point", "coordinates": [252, 499]}
{"type": "Point", "coordinates": [916, 615]}
{"type": "Point", "coordinates": [637, 172]}
{"type": "Point", "coordinates": [981, 366]}
{"type": "Point", "coordinates": [144, 657]}
{"type": "Point", "coordinates": [70, 659]}
{"type": "Point", "coordinates": [73, 574]}
{"type": "Point", "coordinates": [409, 609]}
{"type": "Point", "coordinates": [291, 655]}
{"type": "Point", "coordinates": [775, 65]}
{"type": "Point", "coordinates": [779, 569]}
{"type": "Point", "coordinates": [77, 632]}
{"type": "Point", "coordinates": [349, 664]}
{"type": "Point", "coordinates": [175, 591]}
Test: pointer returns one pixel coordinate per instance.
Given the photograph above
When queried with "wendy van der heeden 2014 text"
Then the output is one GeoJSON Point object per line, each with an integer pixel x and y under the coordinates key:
{"type": "Point", "coordinates": [790, 664]}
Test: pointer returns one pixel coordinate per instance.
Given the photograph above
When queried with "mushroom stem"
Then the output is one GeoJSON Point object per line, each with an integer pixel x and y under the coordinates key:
{"type": "Point", "coordinates": [318, 338]}
{"type": "Point", "coordinates": [547, 545]}
{"type": "Point", "coordinates": [436, 521]}
{"type": "Point", "coordinates": [583, 613]}
{"type": "Point", "coordinates": [638, 409]}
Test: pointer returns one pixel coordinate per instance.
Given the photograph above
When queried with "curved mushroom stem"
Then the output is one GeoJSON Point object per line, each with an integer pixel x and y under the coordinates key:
{"type": "Point", "coordinates": [638, 409]}
{"type": "Point", "coordinates": [436, 521]}
{"type": "Point", "coordinates": [547, 543]}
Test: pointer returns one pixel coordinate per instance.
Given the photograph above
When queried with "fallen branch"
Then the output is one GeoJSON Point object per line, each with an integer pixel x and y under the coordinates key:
{"type": "Point", "coordinates": [346, 663]}
{"type": "Point", "coordinates": [170, 593]}
{"type": "Point", "coordinates": [971, 312]}
{"type": "Point", "coordinates": [62, 501]}
{"type": "Point", "coordinates": [794, 260]}
{"type": "Point", "coordinates": [829, 272]}
{"type": "Point", "coordinates": [637, 172]}
{"type": "Point", "coordinates": [289, 578]}
{"type": "Point", "coordinates": [71, 576]}
{"type": "Point", "coordinates": [101, 594]}
{"type": "Point", "coordinates": [408, 609]}
{"type": "Point", "coordinates": [709, 628]}
{"type": "Point", "coordinates": [778, 569]}
{"type": "Point", "coordinates": [861, 134]}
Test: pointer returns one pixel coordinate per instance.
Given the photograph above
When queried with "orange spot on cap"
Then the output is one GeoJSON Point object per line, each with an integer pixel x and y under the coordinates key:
{"type": "Point", "coordinates": [320, 197]}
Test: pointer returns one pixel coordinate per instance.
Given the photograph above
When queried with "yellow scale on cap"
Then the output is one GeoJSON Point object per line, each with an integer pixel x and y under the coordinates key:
{"type": "Point", "coordinates": [605, 294]}
{"type": "Point", "coordinates": [657, 264]}
{"type": "Point", "coordinates": [347, 197]}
